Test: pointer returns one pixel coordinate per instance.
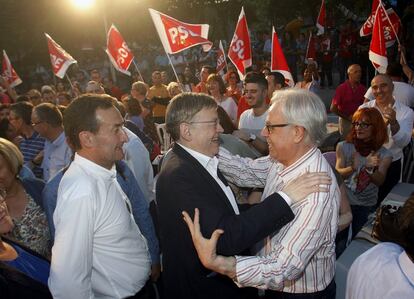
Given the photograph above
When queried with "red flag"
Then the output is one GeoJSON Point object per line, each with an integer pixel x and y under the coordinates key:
{"type": "Point", "coordinates": [9, 73]}
{"type": "Point", "coordinates": [320, 22]}
{"type": "Point", "coordinates": [177, 36]}
{"type": "Point", "coordinates": [389, 28]}
{"type": "Point", "coordinates": [61, 60]}
{"type": "Point", "coordinates": [377, 50]}
{"type": "Point", "coordinates": [279, 63]}
{"type": "Point", "coordinates": [221, 59]}
{"type": "Point", "coordinates": [117, 49]}
{"type": "Point", "coordinates": [240, 52]}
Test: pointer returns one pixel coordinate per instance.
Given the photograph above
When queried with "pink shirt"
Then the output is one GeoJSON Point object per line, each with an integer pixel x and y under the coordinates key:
{"type": "Point", "coordinates": [348, 99]}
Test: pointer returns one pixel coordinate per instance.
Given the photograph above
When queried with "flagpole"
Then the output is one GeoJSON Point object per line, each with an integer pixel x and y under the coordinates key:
{"type": "Point", "coordinates": [392, 26]}
{"type": "Point", "coordinates": [136, 67]}
{"type": "Point", "coordinates": [70, 82]}
{"type": "Point", "coordinates": [172, 66]}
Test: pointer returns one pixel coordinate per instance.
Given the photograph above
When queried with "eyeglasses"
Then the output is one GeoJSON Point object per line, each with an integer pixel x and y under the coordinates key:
{"type": "Point", "coordinates": [215, 122]}
{"type": "Point", "coordinates": [362, 125]}
{"type": "Point", "coordinates": [270, 127]}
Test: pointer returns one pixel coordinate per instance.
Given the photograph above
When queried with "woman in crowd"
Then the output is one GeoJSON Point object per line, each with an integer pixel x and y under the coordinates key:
{"type": "Point", "coordinates": [310, 79]}
{"type": "Point", "coordinates": [217, 89]}
{"type": "Point", "coordinates": [15, 256]}
{"type": "Point", "coordinates": [23, 197]}
{"type": "Point", "coordinates": [134, 112]}
{"type": "Point", "coordinates": [363, 163]}
{"type": "Point", "coordinates": [174, 88]}
{"type": "Point", "coordinates": [233, 88]}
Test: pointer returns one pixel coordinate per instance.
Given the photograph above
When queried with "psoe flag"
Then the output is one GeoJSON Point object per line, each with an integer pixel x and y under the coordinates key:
{"type": "Point", "coordinates": [377, 51]}
{"type": "Point", "coordinates": [240, 51]}
{"type": "Point", "coordinates": [60, 59]}
{"type": "Point", "coordinates": [278, 60]}
{"type": "Point", "coordinates": [117, 49]}
{"type": "Point", "coordinates": [9, 73]}
{"type": "Point", "coordinates": [177, 36]}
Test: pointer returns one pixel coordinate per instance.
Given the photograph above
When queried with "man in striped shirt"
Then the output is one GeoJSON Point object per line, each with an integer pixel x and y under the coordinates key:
{"type": "Point", "coordinates": [32, 144]}
{"type": "Point", "coordinates": [299, 260]}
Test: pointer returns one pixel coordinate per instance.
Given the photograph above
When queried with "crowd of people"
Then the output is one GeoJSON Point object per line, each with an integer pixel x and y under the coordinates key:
{"type": "Point", "coordinates": [92, 204]}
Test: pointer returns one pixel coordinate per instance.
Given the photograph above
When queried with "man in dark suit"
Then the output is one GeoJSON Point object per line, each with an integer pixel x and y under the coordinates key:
{"type": "Point", "coordinates": [190, 179]}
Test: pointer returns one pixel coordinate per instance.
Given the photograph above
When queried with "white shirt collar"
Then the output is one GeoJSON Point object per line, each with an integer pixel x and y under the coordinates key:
{"type": "Point", "coordinates": [204, 160]}
{"type": "Point", "coordinates": [407, 266]}
{"type": "Point", "coordinates": [92, 167]}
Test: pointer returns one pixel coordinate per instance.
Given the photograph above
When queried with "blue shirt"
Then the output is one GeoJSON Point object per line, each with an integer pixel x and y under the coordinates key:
{"type": "Point", "coordinates": [31, 265]}
{"type": "Point", "coordinates": [384, 271]}
{"type": "Point", "coordinates": [30, 147]}
{"type": "Point", "coordinates": [56, 156]}
{"type": "Point", "coordinates": [129, 185]}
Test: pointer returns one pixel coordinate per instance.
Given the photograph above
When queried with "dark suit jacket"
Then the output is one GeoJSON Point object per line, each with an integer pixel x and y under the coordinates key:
{"type": "Point", "coordinates": [184, 184]}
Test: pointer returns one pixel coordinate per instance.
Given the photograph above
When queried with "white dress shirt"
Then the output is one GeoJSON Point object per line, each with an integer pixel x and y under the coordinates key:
{"type": "Point", "coordinates": [405, 118]}
{"type": "Point", "coordinates": [300, 257]}
{"type": "Point", "coordinates": [385, 271]}
{"type": "Point", "coordinates": [211, 165]}
{"type": "Point", "coordinates": [99, 251]}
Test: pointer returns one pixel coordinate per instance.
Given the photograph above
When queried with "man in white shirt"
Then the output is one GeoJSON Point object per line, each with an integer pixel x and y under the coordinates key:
{"type": "Point", "coordinates": [47, 121]}
{"type": "Point", "coordinates": [399, 119]}
{"type": "Point", "coordinates": [298, 261]}
{"type": "Point", "coordinates": [252, 120]}
{"type": "Point", "coordinates": [99, 250]}
{"type": "Point", "coordinates": [403, 92]}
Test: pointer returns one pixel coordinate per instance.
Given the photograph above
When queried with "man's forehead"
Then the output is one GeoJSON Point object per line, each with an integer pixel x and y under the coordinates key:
{"type": "Point", "coordinates": [252, 86]}
{"type": "Point", "coordinates": [205, 112]}
{"type": "Point", "coordinates": [379, 81]}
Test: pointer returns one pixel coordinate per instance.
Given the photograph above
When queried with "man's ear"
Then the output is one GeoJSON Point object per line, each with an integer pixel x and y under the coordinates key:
{"type": "Point", "coordinates": [300, 134]}
{"type": "Point", "coordinates": [87, 139]}
{"type": "Point", "coordinates": [185, 133]}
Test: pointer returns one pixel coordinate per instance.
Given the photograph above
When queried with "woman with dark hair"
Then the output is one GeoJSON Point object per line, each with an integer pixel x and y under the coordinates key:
{"type": "Point", "coordinates": [233, 88]}
{"type": "Point", "coordinates": [310, 79]}
{"type": "Point", "coordinates": [217, 90]}
{"type": "Point", "coordinates": [363, 163]}
{"type": "Point", "coordinates": [133, 112]}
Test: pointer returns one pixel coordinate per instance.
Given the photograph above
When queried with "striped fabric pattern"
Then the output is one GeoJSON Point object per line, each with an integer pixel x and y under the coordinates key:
{"type": "Point", "coordinates": [302, 254]}
{"type": "Point", "coordinates": [30, 147]}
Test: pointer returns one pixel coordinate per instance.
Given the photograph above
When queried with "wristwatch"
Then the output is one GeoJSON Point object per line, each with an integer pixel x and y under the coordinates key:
{"type": "Point", "coordinates": [252, 137]}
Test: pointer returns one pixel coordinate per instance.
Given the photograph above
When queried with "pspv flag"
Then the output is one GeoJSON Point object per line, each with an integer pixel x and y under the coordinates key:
{"type": "Point", "coordinates": [60, 59]}
{"type": "Point", "coordinates": [240, 52]}
{"type": "Point", "coordinates": [320, 22]}
{"type": "Point", "coordinates": [117, 49]}
{"type": "Point", "coordinates": [9, 73]}
{"type": "Point", "coordinates": [390, 24]}
{"type": "Point", "coordinates": [221, 59]}
{"type": "Point", "coordinates": [377, 50]}
{"type": "Point", "coordinates": [278, 60]}
{"type": "Point", "coordinates": [177, 36]}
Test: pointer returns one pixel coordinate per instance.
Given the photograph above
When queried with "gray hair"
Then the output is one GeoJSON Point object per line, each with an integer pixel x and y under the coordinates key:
{"type": "Point", "coordinates": [183, 107]}
{"type": "Point", "coordinates": [303, 108]}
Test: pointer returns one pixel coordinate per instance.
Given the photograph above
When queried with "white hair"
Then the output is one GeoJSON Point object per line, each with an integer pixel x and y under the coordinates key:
{"type": "Point", "coordinates": [303, 108]}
